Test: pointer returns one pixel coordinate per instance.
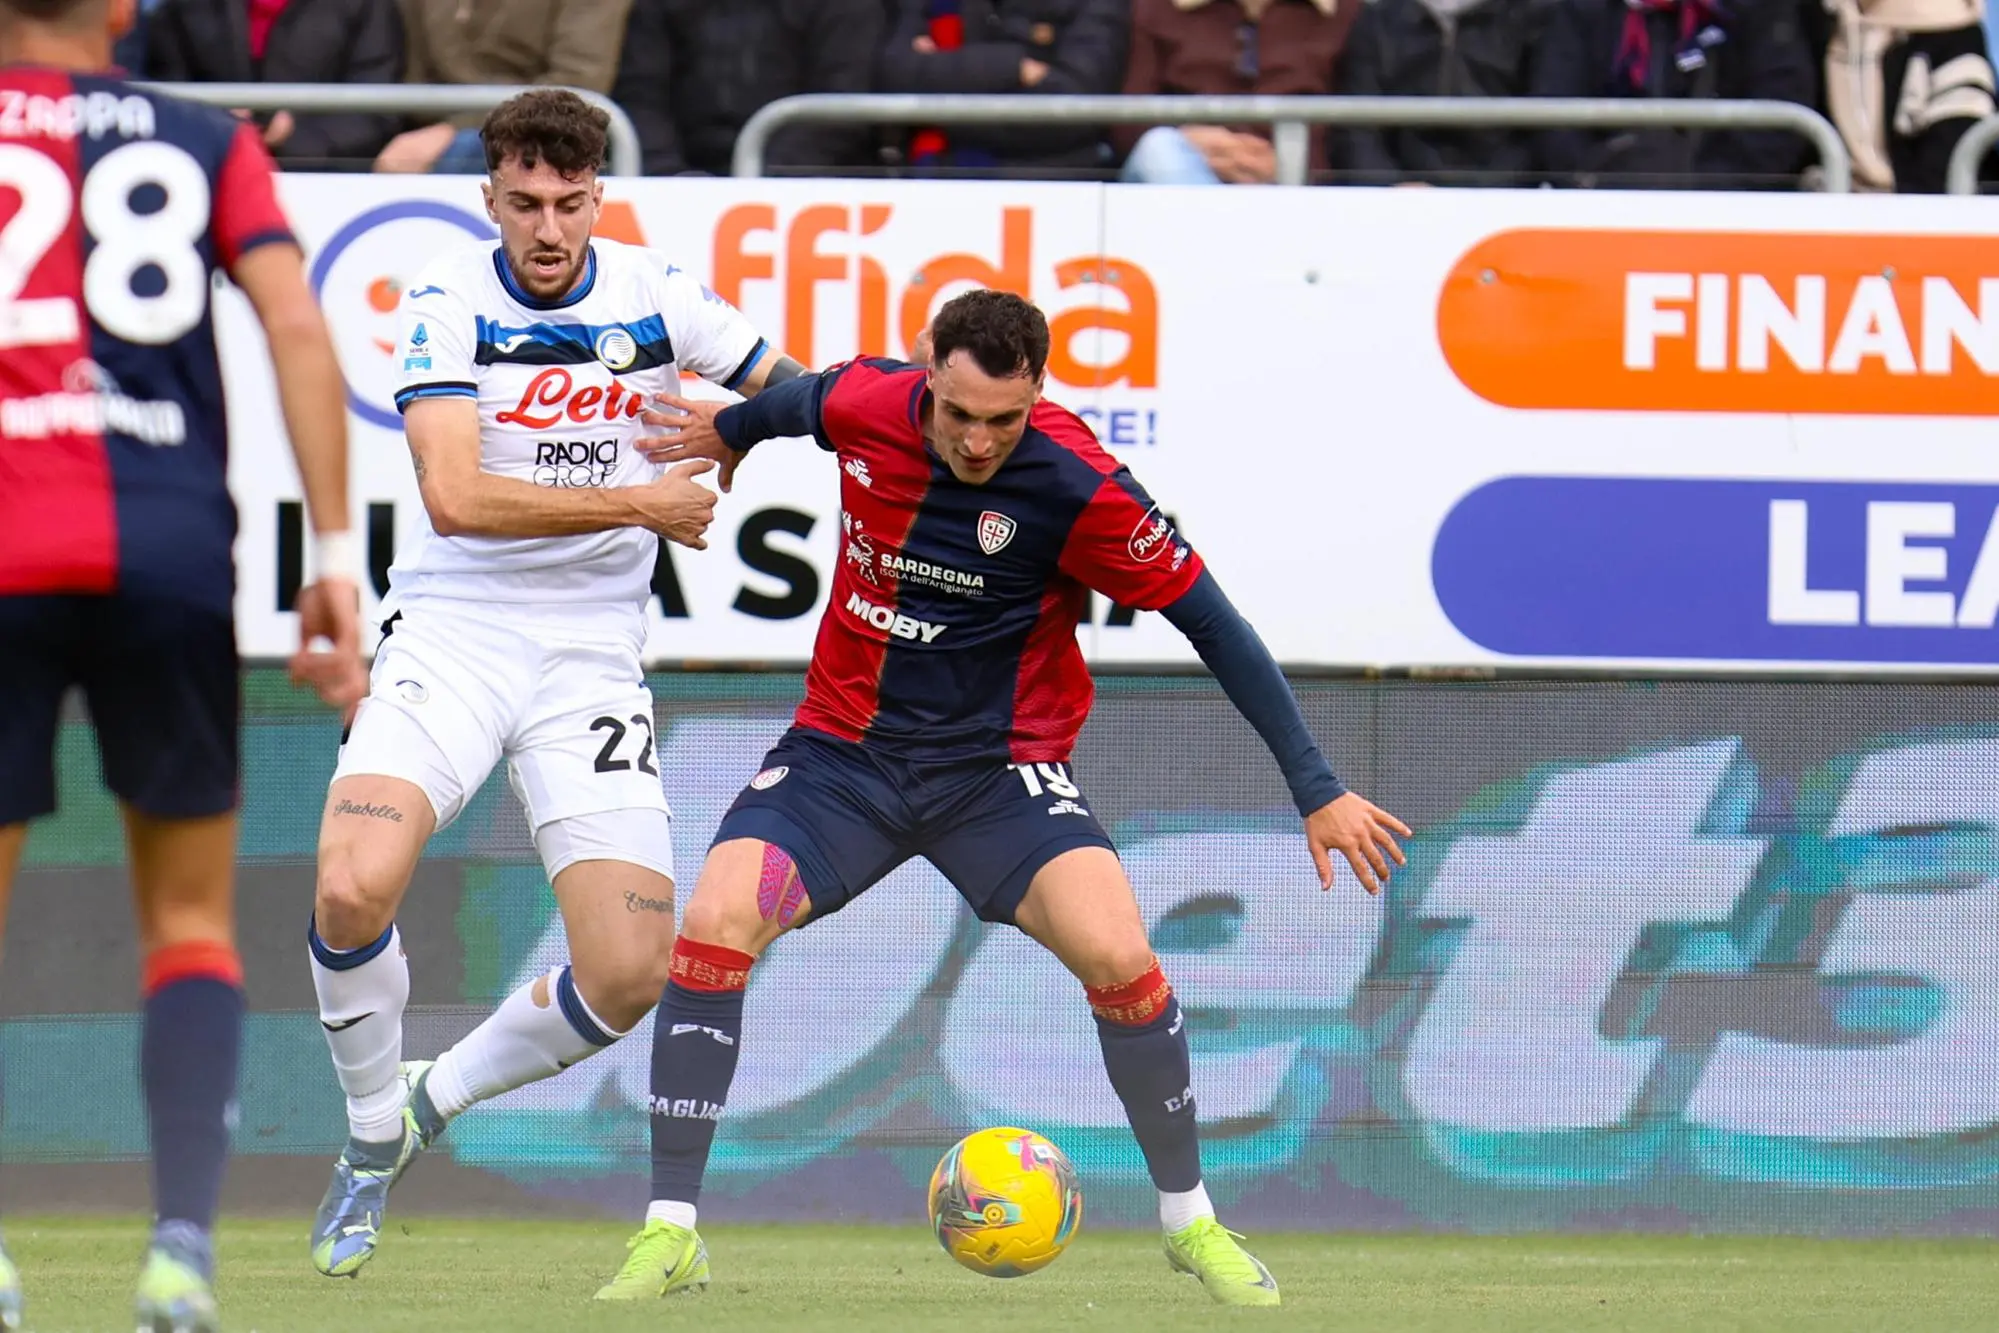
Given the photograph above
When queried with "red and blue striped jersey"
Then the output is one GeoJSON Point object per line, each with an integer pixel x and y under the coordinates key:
{"type": "Point", "coordinates": [117, 207]}
{"type": "Point", "coordinates": [951, 631]}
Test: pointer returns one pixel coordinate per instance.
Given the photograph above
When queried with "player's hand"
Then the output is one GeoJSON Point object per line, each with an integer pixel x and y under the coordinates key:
{"type": "Point", "coordinates": [677, 507]}
{"type": "Point", "coordinates": [1362, 832]}
{"type": "Point", "coordinates": [691, 433]}
{"type": "Point", "coordinates": [329, 636]}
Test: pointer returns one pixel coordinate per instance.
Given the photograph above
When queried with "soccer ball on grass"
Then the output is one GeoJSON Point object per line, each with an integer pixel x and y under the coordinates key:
{"type": "Point", "coordinates": [1004, 1202]}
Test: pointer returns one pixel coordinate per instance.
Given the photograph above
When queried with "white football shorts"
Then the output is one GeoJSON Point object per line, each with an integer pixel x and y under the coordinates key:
{"type": "Point", "coordinates": [458, 686]}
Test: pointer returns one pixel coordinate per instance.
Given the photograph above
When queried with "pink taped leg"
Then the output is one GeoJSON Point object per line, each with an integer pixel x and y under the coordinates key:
{"type": "Point", "coordinates": [780, 892]}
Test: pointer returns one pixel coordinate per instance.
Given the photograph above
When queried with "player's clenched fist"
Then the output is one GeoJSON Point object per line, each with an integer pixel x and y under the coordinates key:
{"type": "Point", "coordinates": [678, 507]}
{"type": "Point", "coordinates": [1362, 832]}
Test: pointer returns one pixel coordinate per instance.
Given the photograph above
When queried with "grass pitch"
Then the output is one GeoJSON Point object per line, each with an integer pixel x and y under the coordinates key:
{"type": "Point", "coordinates": [449, 1276]}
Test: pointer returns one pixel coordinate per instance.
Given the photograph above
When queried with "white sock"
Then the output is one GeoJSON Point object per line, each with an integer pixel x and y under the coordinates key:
{"type": "Point", "coordinates": [361, 1007]}
{"type": "Point", "coordinates": [1182, 1210]}
{"type": "Point", "coordinates": [671, 1211]}
{"type": "Point", "coordinates": [527, 1038]}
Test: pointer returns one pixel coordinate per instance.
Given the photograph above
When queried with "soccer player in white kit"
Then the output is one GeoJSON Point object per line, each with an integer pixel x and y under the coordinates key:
{"type": "Point", "coordinates": [515, 627]}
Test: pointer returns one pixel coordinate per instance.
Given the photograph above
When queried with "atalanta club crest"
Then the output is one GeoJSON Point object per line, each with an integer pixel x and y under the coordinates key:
{"type": "Point", "coordinates": [995, 531]}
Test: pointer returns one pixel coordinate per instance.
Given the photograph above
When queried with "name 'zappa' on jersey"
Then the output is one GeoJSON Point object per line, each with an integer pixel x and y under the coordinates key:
{"type": "Point", "coordinates": [560, 386]}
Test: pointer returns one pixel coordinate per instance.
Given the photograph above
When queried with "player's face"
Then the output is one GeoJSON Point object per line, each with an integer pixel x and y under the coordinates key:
{"type": "Point", "coordinates": [976, 419]}
{"type": "Point", "coordinates": [545, 220]}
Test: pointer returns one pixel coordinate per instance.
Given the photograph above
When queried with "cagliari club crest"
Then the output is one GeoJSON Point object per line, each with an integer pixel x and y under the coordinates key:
{"type": "Point", "coordinates": [995, 531]}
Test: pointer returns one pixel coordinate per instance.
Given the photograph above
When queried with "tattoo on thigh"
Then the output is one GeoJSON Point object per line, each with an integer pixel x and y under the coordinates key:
{"type": "Point", "coordinates": [638, 902]}
{"type": "Point", "coordinates": [343, 806]}
{"type": "Point", "coordinates": [780, 892]}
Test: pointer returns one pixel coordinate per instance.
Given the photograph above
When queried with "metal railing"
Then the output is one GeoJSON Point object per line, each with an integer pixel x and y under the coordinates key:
{"type": "Point", "coordinates": [1290, 117]}
{"type": "Point", "coordinates": [1962, 175]}
{"type": "Point", "coordinates": [401, 99]}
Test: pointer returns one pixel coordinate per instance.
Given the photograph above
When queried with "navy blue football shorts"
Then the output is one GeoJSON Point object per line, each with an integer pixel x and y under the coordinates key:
{"type": "Point", "coordinates": [847, 816]}
{"type": "Point", "coordinates": [163, 684]}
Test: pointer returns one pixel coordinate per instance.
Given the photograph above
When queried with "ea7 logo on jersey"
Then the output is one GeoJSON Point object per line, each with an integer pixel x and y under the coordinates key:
{"type": "Point", "coordinates": [995, 531]}
{"type": "Point", "coordinates": [1149, 538]}
{"type": "Point", "coordinates": [893, 621]}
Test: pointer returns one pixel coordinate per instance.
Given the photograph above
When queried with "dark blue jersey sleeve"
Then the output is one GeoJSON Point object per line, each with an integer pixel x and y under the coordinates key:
{"type": "Point", "coordinates": [1249, 675]}
{"type": "Point", "coordinates": [795, 407]}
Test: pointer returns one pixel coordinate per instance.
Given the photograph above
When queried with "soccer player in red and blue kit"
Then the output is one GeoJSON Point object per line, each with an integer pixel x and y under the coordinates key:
{"type": "Point", "coordinates": [945, 693]}
{"type": "Point", "coordinates": [117, 206]}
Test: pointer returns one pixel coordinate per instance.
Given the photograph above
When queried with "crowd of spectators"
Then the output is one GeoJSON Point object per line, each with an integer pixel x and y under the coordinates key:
{"type": "Point", "coordinates": [1901, 79]}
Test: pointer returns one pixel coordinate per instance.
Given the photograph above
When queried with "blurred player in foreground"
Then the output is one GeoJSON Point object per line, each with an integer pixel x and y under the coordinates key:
{"type": "Point", "coordinates": [945, 693]}
{"type": "Point", "coordinates": [115, 534]}
{"type": "Point", "coordinates": [516, 625]}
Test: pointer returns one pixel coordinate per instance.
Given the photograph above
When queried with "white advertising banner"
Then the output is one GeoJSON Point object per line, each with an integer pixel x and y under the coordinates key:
{"type": "Point", "coordinates": [1406, 428]}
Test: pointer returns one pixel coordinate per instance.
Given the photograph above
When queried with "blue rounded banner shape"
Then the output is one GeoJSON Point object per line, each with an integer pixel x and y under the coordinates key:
{"type": "Point", "coordinates": [1763, 570]}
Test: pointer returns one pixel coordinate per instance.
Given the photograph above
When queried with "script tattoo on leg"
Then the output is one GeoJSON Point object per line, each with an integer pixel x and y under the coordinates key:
{"type": "Point", "coordinates": [367, 811]}
{"type": "Point", "coordinates": [638, 902]}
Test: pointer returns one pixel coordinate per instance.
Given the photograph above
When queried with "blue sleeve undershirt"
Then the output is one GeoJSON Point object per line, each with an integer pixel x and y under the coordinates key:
{"type": "Point", "coordinates": [1250, 677]}
{"type": "Point", "coordinates": [790, 408]}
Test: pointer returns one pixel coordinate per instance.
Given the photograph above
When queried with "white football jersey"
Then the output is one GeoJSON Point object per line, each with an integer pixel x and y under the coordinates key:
{"type": "Point", "coordinates": [560, 386]}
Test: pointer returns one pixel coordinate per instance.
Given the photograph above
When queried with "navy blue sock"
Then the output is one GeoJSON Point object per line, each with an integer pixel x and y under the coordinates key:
{"type": "Point", "coordinates": [1144, 1040]}
{"type": "Point", "coordinates": [696, 1036]}
{"type": "Point", "coordinates": [188, 1054]}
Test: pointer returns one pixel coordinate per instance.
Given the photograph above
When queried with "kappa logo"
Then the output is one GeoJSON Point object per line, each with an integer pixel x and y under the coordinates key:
{"type": "Point", "coordinates": [770, 777]}
{"type": "Point", "coordinates": [858, 469]}
{"type": "Point", "coordinates": [995, 531]}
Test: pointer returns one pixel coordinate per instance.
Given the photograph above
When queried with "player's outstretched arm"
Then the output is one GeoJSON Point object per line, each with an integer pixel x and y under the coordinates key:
{"type": "Point", "coordinates": [465, 501]}
{"type": "Point", "coordinates": [725, 434]}
{"type": "Point", "coordinates": [1335, 818]}
{"type": "Point", "coordinates": [312, 396]}
{"type": "Point", "coordinates": [769, 372]}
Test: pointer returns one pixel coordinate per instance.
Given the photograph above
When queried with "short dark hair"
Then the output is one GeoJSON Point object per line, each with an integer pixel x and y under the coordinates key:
{"type": "Point", "coordinates": [549, 125]}
{"type": "Point", "coordinates": [1005, 334]}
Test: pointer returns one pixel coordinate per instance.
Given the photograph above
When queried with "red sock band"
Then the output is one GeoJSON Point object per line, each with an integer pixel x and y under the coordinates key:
{"type": "Point", "coordinates": [708, 967]}
{"type": "Point", "coordinates": [191, 959]}
{"type": "Point", "coordinates": [1132, 1003]}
